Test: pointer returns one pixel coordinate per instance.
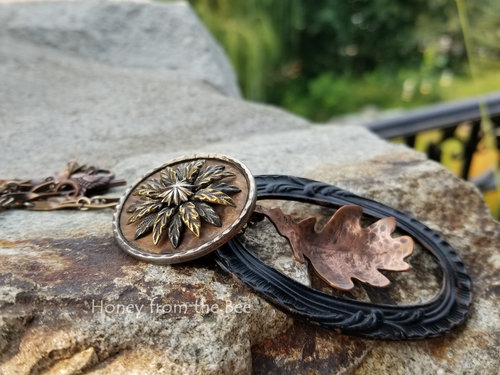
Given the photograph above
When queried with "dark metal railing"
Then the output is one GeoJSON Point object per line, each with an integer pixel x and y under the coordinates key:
{"type": "Point", "coordinates": [445, 117]}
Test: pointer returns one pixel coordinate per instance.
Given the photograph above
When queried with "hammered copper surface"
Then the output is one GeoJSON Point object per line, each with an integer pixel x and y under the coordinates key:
{"type": "Point", "coordinates": [342, 249]}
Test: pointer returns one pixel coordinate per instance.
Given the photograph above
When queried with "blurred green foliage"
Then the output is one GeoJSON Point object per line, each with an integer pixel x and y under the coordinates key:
{"type": "Point", "coordinates": [327, 57]}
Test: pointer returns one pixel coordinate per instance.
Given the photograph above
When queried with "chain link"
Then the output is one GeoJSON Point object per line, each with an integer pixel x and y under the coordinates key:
{"type": "Point", "coordinates": [73, 188]}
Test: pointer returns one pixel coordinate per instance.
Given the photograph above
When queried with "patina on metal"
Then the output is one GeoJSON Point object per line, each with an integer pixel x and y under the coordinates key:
{"type": "Point", "coordinates": [448, 309]}
{"type": "Point", "coordinates": [183, 196]}
{"type": "Point", "coordinates": [343, 249]}
{"type": "Point", "coordinates": [76, 187]}
{"type": "Point", "coordinates": [185, 208]}
{"type": "Point", "coordinates": [194, 205]}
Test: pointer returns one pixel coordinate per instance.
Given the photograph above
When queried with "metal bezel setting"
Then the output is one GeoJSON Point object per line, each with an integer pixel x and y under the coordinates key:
{"type": "Point", "coordinates": [204, 248]}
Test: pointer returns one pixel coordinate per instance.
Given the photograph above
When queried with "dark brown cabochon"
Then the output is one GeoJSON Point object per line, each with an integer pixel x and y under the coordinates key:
{"type": "Point", "coordinates": [230, 215]}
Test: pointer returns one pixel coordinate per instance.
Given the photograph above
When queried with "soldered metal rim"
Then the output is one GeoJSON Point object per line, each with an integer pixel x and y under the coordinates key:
{"type": "Point", "coordinates": [206, 247]}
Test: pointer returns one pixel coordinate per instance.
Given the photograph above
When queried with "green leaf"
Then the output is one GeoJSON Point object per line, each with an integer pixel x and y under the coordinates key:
{"type": "Point", "coordinates": [213, 196]}
{"type": "Point", "coordinates": [190, 217]}
{"type": "Point", "coordinates": [208, 214]}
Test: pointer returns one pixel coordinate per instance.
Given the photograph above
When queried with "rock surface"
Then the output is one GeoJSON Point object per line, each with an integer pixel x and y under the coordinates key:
{"type": "Point", "coordinates": [130, 85]}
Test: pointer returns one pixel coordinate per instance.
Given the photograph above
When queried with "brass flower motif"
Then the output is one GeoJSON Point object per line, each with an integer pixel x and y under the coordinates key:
{"type": "Point", "coordinates": [181, 197]}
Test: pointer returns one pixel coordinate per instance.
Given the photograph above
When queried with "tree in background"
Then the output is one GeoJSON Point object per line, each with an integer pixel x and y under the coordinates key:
{"type": "Point", "coordinates": [326, 57]}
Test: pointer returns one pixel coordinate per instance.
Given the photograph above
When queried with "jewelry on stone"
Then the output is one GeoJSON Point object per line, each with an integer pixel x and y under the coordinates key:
{"type": "Point", "coordinates": [212, 196]}
{"type": "Point", "coordinates": [195, 205]}
{"type": "Point", "coordinates": [438, 316]}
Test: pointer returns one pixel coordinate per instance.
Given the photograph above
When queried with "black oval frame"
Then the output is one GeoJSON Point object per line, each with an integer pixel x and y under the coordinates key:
{"type": "Point", "coordinates": [446, 310]}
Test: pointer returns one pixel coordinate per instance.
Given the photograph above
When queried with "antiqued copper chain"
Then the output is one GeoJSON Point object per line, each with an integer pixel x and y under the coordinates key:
{"type": "Point", "coordinates": [77, 187]}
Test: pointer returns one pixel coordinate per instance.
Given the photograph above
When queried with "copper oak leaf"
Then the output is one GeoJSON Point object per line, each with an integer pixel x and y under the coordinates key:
{"type": "Point", "coordinates": [342, 249]}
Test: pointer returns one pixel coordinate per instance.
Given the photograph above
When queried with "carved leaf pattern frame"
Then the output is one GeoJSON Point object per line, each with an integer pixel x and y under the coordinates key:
{"type": "Point", "coordinates": [448, 309]}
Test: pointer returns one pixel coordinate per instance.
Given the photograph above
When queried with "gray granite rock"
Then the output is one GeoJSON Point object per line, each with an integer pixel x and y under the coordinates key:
{"type": "Point", "coordinates": [130, 85]}
{"type": "Point", "coordinates": [167, 39]}
{"type": "Point", "coordinates": [114, 109]}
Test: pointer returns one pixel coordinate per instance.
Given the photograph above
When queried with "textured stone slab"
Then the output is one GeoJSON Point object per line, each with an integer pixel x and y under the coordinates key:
{"type": "Point", "coordinates": [136, 34]}
{"type": "Point", "coordinates": [129, 94]}
{"type": "Point", "coordinates": [62, 100]}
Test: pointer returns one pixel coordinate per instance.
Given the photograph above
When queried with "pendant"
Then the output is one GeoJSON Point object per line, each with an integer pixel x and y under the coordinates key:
{"type": "Point", "coordinates": [448, 309]}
